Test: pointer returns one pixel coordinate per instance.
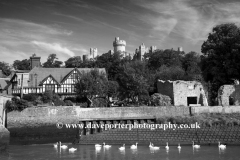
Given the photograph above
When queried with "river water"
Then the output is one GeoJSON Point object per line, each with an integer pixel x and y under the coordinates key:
{"type": "Point", "coordinates": [89, 152]}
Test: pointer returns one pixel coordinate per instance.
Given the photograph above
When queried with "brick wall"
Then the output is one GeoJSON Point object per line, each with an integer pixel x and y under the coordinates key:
{"type": "Point", "coordinates": [205, 135]}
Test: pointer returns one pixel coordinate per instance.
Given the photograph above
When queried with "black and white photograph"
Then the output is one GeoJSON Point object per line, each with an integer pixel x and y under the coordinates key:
{"type": "Point", "coordinates": [119, 79]}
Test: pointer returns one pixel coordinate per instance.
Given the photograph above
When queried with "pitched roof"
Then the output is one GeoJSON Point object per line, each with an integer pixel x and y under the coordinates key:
{"type": "Point", "coordinates": [4, 82]}
{"type": "Point", "coordinates": [2, 75]}
{"type": "Point", "coordinates": [57, 73]}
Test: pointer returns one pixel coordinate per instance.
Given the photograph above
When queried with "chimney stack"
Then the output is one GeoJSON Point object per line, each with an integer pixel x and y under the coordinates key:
{"type": "Point", "coordinates": [35, 61]}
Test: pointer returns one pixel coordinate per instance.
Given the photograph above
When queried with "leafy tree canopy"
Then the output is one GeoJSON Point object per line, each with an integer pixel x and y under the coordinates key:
{"type": "Point", "coordinates": [168, 57]}
{"type": "Point", "coordinates": [52, 62]}
{"type": "Point", "coordinates": [73, 62]}
{"type": "Point", "coordinates": [22, 65]}
{"type": "Point", "coordinates": [5, 68]}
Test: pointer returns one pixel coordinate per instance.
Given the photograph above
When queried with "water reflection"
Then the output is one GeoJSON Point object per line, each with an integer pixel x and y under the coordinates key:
{"type": "Point", "coordinates": [195, 150]}
{"type": "Point", "coordinates": [122, 152]}
{"type": "Point", "coordinates": [179, 150]}
{"type": "Point", "coordinates": [167, 151]}
{"type": "Point", "coordinates": [134, 151]}
{"type": "Point", "coordinates": [97, 151]}
{"type": "Point", "coordinates": [221, 151]}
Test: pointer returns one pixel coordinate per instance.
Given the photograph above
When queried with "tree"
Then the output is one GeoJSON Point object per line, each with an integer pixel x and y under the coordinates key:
{"type": "Point", "coordinates": [133, 82]}
{"type": "Point", "coordinates": [170, 73]}
{"type": "Point", "coordinates": [191, 63]}
{"type": "Point", "coordinates": [52, 62]}
{"type": "Point", "coordinates": [91, 85]}
{"type": "Point", "coordinates": [113, 88]}
{"type": "Point", "coordinates": [168, 57]}
{"type": "Point", "coordinates": [220, 64]}
{"type": "Point", "coordinates": [5, 68]}
{"type": "Point", "coordinates": [22, 65]}
{"type": "Point", "coordinates": [73, 62]}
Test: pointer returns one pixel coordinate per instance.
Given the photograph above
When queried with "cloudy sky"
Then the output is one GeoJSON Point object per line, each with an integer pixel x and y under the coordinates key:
{"type": "Point", "coordinates": [70, 27]}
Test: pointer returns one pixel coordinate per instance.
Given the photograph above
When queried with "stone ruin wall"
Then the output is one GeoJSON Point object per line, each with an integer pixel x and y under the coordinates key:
{"type": "Point", "coordinates": [184, 89]}
{"type": "Point", "coordinates": [226, 92]}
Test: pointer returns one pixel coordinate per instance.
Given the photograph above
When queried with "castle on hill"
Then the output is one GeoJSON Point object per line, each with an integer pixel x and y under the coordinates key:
{"type": "Point", "coordinates": [120, 46]}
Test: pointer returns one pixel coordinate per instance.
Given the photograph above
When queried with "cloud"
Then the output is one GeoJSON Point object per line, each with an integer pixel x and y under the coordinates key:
{"type": "Point", "coordinates": [54, 47]}
{"type": "Point", "coordinates": [15, 25]}
{"type": "Point", "coordinates": [190, 19]}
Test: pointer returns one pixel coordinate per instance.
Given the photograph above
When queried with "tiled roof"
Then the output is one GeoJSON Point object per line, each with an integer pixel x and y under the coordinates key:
{"type": "Point", "coordinates": [58, 73]}
{"type": "Point", "coordinates": [4, 82]}
{"type": "Point", "coordinates": [2, 75]}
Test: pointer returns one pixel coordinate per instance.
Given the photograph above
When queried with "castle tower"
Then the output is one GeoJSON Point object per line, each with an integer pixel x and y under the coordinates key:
{"type": "Point", "coordinates": [152, 49]}
{"type": "Point", "coordinates": [93, 53]}
{"type": "Point", "coordinates": [142, 51]}
{"type": "Point", "coordinates": [180, 49]}
{"type": "Point", "coordinates": [35, 61]}
{"type": "Point", "coordinates": [119, 45]}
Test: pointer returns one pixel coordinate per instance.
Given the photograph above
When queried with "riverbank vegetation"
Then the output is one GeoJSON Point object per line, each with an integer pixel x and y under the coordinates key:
{"type": "Point", "coordinates": [204, 119]}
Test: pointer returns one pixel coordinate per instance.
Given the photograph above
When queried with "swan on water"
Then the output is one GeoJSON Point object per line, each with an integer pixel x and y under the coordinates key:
{"type": "Point", "coordinates": [167, 147]}
{"type": "Point", "coordinates": [179, 147]}
{"type": "Point", "coordinates": [72, 149]}
{"type": "Point", "coordinates": [122, 148]}
{"type": "Point", "coordinates": [154, 147]}
{"type": "Point", "coordinates": [195, 145]}
{"type": "Point", "coordinates": [134, 146]}
{"type": "Point", "coordinates": [62, 146]}
{"type": "Point", "coordinates": [106, 146]}
{"type": "Point", "coordinates": [98, 145]}
{"type": "Point", "coordinates": [55, 145]}
{"type": "Point", "coordinates": [221, 146]}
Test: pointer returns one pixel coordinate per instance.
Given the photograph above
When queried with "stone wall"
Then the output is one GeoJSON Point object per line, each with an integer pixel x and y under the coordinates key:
{"type": "Point", "coordinates": [204, 135]}
{"type": "Point", "coordinates": [229, 92]}
{"type": "Point", "coordinates": [214, 109]}
{"type": "Point", "coordinates": [38, 125]}
{"type": "Point", "coordinates": [179, 91]}
{"type": "Point", "coordinates": [105, 113]}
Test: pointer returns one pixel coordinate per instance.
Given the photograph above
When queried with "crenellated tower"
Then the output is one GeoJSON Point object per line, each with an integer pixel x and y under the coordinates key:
{"type": "Point", "coordinates": [93, 53]}
{"type": "Point", "coordinates": [119, 45]}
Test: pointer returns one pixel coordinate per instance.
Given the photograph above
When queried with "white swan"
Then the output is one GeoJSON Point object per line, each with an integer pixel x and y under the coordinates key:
{"type": "Point", "coordinates": [179, 147]}
{"type": "Point", "coordinates": [106, 146]}
{"type": "Point", "coordinates": [221, 146]}
{"type": "Point", "coordinates": [167, 147]}
{"type": "Point", "coordinates": [72, 149]}
{"type": "Point", "coordinates": [122, 148]}
{"type": "Point", "coordinates": [154, 147]}
{"type": "Point", "coordinates": [55, 145]}
{"type": "Point", "coordinates": [63, 146]}
{"type": "Point", "coordinates": [98, 145]}
{"type": "Point", "coordinates": [134, 146]}
{"type": "Point", "coordinates": [195, 145]}
{"type": "Point", "coordinates": [150, 145]}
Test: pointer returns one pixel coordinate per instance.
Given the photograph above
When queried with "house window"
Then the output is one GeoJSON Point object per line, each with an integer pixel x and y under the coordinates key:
{"type": "Point", "coordinates": [49, 87]}
{"type": "Point", "coordinates": [73, 88]}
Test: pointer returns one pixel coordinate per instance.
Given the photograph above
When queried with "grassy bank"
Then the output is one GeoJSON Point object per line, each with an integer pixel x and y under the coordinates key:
{"type": "Point", "coordinates": [210, 119]}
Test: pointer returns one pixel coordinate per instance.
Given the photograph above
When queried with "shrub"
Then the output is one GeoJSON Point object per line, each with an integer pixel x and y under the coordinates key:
{"type": "Point", "coordinates": [59, 102]}
{"type": "Point", "coordinates": [72, 99]}
{"type": "Point", "coordinates": [17, 104]}
{"type": "Point", "coordinates": [158, 99]}
{"type": "Point", "coordinates": [47, 97]}
{"type": "Point", "coordinates": [99, 102]}
{"type": "Point", "coordinates": [68, 103]}
{"type": "Point", "coordinates": [30, 97]}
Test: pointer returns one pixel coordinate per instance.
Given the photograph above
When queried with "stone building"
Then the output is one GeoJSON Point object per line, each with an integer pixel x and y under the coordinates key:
{"type": "Point", "coordinates": [229, 95]}
{"type": "Point", "coordinates": [183, 92]}
{"type": "Point", "coordinates": [142, 50]}
{"type": "Point", "coordinates": [119, 45]}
